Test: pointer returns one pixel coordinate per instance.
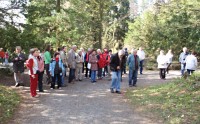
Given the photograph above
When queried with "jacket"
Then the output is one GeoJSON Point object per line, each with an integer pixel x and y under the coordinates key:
{"type": "Point", "coordinates": [47, 57]}
{"type": "Point", "coordinates": [18, 65]}
{"type": "Point", "coordinates": [40, 64]}
{"type": "Point", "coordinates": [33, 63]}
{"type": "Point", "coordinates": [131, 62]}
{"type": "Point", "coordinates": [63, 57]}
{"type": "Point", "coordinates": [53, 64]}
{"type": "Point", "coordinates": [79, 61]}
{"type": "Point", "coordinates": [191, 62]}
{"type": "Point", "coordinates": [72, 59]}
{"type": "Point", "coordinates": [101, 61]}
{"type": "Point", "coordinates": [182, 57]}
{"type": "Point", "coordinates": [162, 61]}
{"type": "Point", "coordinates": [115, 61]}
{"type": "Point", "coordinates": [93, 61]}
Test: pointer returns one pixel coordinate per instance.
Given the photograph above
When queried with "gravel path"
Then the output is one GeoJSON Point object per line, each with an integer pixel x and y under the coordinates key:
{"type": "Point", "coordinates": [85, 103]}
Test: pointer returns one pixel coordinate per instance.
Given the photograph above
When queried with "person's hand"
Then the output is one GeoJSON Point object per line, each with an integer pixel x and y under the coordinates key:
{"type": "Point", "coordinates": [118, 67]}
{"type": "Point", "coordinates": [33, 76]}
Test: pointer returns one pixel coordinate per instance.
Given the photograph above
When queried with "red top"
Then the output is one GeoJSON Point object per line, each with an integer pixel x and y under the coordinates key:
{"type": "Point", "coordinates": [30, 61]}
{"type": "Point", "coordinates": [2, 54]}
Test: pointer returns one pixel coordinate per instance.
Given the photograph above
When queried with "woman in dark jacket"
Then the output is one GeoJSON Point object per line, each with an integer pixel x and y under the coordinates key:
{"type": "Point", "coordinates": [18, 60]}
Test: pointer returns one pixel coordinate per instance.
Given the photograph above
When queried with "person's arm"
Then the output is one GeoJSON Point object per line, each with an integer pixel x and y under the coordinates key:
{"type": "Point", "coordinates": [128, 60]}
{"type": "Point", "coordinates": [180, 58]}
{"type": "Point", "coordinates": [30, 61]}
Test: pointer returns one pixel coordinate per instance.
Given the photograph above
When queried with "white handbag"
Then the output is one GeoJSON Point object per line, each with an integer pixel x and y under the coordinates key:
{"type": "Point", "coordinates": [89, 65]}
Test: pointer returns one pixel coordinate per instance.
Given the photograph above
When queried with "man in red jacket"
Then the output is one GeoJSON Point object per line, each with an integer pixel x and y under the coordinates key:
{"type": "Point", "coordinates": [107, 57]}
{"type": "Point", "coordinates": [101, 63]}
{"type": "Point", "coordinates": [2, 55]}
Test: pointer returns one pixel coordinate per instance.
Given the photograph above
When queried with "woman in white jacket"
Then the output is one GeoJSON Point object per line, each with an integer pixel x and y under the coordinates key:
{"type": "Point", "coordinates": [162, 64]}
{"type": "Point", "coordinates": [191, 63]}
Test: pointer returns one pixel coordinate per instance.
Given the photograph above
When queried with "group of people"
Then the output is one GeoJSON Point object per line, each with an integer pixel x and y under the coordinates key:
{"type": "Point", "coordinates": [187, 60]}
{"type": "Point", "coordinates": [4, 56]}
{"type": "Point", "coordinates": [93, 64]}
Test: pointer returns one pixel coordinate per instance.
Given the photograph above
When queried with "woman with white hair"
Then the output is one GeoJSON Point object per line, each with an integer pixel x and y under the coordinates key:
{"type": "Point", "coordinates": [162, 64]}
{"type": "Point", "coordinates": [79, 65]}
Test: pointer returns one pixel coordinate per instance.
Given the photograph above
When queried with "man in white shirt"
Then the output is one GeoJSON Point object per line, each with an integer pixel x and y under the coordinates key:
{"type": "Point", "coordinates": [141, 55]}
{"type": "Point", "coordinates": [191, 63]}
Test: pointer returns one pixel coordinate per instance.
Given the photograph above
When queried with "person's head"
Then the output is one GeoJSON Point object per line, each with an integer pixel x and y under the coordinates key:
{"type": "Point", "coordinates": [18, 49]}
{"type": "Point", "coordinates": [134, 51]}
{"type": "Point", "coordinates": [94, 52]}
{"type": "Point", "coordinates": [110, 52]}
{"type": "Point", "coordinates": [56, 55]}
{"type": "Point", "coordinates": [82, 49]}
{"type": "Point", "coordinates": [59, 49]}
{"type": "Point", "coordinates": [79, 52]}
{"type": "Point", "coordinates": [74, 47]}
{"type": "Point", "coordinates": [34, 52]}
{"type": "Point", "coordinates": [64, 48]}
{"type": "Point", "coordinates": [121, 53]}
{"type": "Point", "coordinates": [170, 51]}
{"type": "Point", "coordinates": [1, 49]}
{"type": "Point", "coordinates": [98, 51]}
{"type": "Point", "coordinates": [105, 50]}
{"type": "Point", "coordinates": [194, 53]}
{"type": "Point", "coordinates": [140, 48]}
{"type": "Point", "coordinates": [185, 49]}
{"type": "Point", "coordinates": [89, 49]}
{"type": "Point", "coordinates": [48, 48]}
{"type": "Point", "coordinates": [161, 52]}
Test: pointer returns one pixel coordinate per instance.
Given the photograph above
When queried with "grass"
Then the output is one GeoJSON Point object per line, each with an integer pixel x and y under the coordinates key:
{"type": "Point", "coordinates": [9, 100]}
{"type": "Point", "coordinates": [177, 102]}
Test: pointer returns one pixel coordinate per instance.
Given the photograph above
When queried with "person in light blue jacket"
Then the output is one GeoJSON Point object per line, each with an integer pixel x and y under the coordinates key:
{"type": "Point", "coordinates": [56, 68]}
{"type": "Point", "coordinates": [133, 64]}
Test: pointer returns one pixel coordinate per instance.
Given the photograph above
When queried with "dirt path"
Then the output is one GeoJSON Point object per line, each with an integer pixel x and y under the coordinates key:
{"type": "Point", "coordinates": [85, 103]}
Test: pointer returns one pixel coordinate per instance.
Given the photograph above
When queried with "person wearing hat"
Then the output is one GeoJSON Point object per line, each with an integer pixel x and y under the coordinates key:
{"type": "Point", "coordinates": [79, 65]}
{"type": "Point", "coordinates": [56, 68]}
{"type": "Point", "coordinates": [116, 64]}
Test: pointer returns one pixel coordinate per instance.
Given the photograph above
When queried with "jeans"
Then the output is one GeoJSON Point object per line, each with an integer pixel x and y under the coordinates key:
{"type": "Point", "coordinates": [58, 78]}
{"type": "Point", "coordinates": [132, 76]}
{"type": "Point", "coordinates": [116, 80]}
{"type": "Point", "coordinates": [141, 66]}
{"type": "Point", "coordinates": [6, 61]}
{"type": "Point", "coordinates": [71, 75]}
{"type": "Point", "coordinates": [40, 78]}
{"type": "Point", "coordinates": [190, 71]}
{"type": "Point", "coordinates": [63, 77]}
{"type": "Point", "coordinates": [105, 71]}
{"type": "Point", "coordinates": [168, 65]}
{"type": "Point", "coordinates": [48, 73]}
{"type": "Point", "coordinates": [93, 75]}
{"type": "Point", "coordinates": [99, 72]}
{"type": "Point", "coordinates": [183, 68]}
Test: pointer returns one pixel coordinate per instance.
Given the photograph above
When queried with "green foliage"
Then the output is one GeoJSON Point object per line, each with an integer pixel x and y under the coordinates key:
{"type": "Point", "coordinates": [176, 102]}
{"type": "Point", "coordinates": [171, 25]}
{"type": "Point", "coordinates": [8, 102]}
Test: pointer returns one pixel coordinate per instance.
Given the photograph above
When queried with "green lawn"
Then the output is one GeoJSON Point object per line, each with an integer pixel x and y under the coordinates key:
{"type": "Point", "coordinates": [177, 102]}
{"type": "Point", "coordinates": [9, 100]}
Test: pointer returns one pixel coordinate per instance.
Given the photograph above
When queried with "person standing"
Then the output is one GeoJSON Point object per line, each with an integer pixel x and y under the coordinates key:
{"type": "Point", "coordinates": [79, 65]}
{"type": "Point", "coordinates": [63, 57]}
{"type": "Point", "coordinates": [83, 56]}
{"type": "Point", "coordinates": [116, 65]}
{"type": "Point", "coordinates": [133, 64]}
{"type": "Point", "coordinates": [169, 56]}
{"type": "Point", "coordinates": [106, 57]}
{"type": "Point", "coordinates": [86, 62]}
{"type": "Point", "coordinates": [182, 58]}
{"type": "Point", "coordinates": [101, 63]}
{"type": "Point", "coordinates": [162, 64]}
{"type": "Point", "coordinates": [33, 71]}
{"type": "Point", "coordinates": [6, 57]}
{"type": "Point", "coordinates": [40, 71]}
{"type": "Point", "coordinates": [141, 55]}
{"type": "Point", "coordinates": [108, 61]}
{"type": "Point", "coordinates": [72, 63]}
{"type": "Point", "coordinates": [93, 60]}
{"type": "Point", "coordinates": [2, 55]}
{"type": "Point", "coordinates": [47, 60]}
{"type": "Point", "coordinates": [191, 63]}
{"type": "Point", "coordinates": [18, 60]}
{"type": "Point", "coordinates": [56, 68]}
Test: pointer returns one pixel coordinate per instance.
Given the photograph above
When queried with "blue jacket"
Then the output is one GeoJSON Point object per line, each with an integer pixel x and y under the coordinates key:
{"type": "Point", "coordinates": [182, 57]}
{"type": "Point", "coordinates": [131, 61]}
{"type": "Point", "coordinates": [52, 67]}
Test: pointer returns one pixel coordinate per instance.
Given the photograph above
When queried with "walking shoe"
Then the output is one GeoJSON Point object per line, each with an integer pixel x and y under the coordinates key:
{"type": "Point", "coordinates": [17, 85]}
{"type": "Point", "coordinates": [130, 85]}
{"type": "Point", "coordinates": [41, 90]}
{"type": "Point", "coordinates": [118, 92]}
{"type": "Point", "coordinates": [59, 88]}
{"type": "Point", "coordinates": [111, 90]}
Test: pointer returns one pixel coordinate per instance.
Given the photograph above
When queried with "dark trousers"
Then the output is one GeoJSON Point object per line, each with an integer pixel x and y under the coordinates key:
{"type": "Point", "coordinates": [99, 72]}
{"type": "Point", "coordinates": [48, 73]}
{"type": "Point", "coordinates": [33, 85]}
{"type": "Point", "coordinates": [141, 66]}
{"type": "Point", "coordinates": [162, 73]}
{"type": "Point", "coordinates": [57, 77]}
{"type": "Point", "coordinates": [71, 74]}
{"type": "Point", "coordinates": [133, 77]}
{"type": "Point", "coordinates": [167, 69]}
{"type": "Point", "coordinates": [86, 73]}
{"type": "Point", "coordinates": [83, 69]}
{"type": "Point", "coordinates": [190, 71]}
{"type": "Point", "coordinates": [40, 78]}
{"type": "Point", "coordinates": [105, 71]}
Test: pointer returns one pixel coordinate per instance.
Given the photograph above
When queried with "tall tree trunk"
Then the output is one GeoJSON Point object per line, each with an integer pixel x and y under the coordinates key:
{"type": "Point", "coordinates": [58, 11]}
